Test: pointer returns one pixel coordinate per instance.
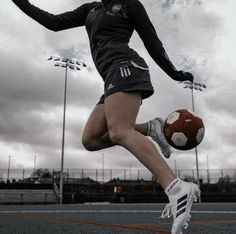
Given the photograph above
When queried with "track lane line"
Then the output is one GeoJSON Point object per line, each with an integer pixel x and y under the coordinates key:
{"type": "Point", "coordinates": [106, 211]}
{"type": "Point", "coordinates": [84, 222]}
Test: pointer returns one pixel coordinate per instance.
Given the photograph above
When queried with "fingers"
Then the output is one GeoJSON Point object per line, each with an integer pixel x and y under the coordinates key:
{"type": "Point", "coordinates": [183, 76]}
{"type": "Point", "coordinates": [188, 76]}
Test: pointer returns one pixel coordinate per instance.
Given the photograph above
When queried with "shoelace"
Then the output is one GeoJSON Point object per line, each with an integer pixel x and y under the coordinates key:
{"type": "Point", "coordinates": [187, 219]}
{"type": "Point", "coordinates": [185, 222]}
{"type": "Point", "coordinates": [167, 212]}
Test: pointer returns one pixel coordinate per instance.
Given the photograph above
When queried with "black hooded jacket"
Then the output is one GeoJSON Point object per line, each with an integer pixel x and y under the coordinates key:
{"type": "Point", "coordinates": [110, 25]}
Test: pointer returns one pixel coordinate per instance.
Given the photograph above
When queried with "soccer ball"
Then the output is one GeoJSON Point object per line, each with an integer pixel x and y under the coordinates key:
{"type": "Point", "coordinates": [184, 130]}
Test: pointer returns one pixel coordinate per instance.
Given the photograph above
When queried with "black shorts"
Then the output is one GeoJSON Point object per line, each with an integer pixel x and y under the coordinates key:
{"type": "Point", "coordinates": [128, 76]}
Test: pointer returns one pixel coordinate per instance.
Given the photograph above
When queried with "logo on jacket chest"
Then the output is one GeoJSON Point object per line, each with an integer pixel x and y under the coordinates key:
{"type": "Point", "coordinates": [116, 8]}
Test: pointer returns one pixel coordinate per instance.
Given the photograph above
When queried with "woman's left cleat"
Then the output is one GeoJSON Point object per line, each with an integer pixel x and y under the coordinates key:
{"type": "Point", "coordinates": [155, 131]}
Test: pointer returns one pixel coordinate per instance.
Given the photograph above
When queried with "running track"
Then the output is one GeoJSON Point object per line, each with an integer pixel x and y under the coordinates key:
{"type": "Point", "coordinates": [214, 218]}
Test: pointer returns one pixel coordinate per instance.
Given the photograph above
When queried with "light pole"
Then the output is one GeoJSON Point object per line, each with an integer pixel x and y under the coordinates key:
{"type": "Point", "coordinates": [194, 86]}
{"type": "Point", "coordinates": [35, 157]}
{"type": "Point", "coordinates": [75, 65]}
{"type": "Point", "coordinates": [9, 167]}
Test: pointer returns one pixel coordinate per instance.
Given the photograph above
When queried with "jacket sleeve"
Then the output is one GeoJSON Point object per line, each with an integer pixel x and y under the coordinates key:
{"type": "Point", "coordinates": [142, 24]}
{"type": "Point", "coordinates": [52, 22]}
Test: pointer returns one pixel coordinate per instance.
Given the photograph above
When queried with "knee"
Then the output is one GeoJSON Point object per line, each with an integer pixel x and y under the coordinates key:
{"type": "Point", "coordinates": [88, 143]}
{"type": "Point", "coordinates": [118, 135]}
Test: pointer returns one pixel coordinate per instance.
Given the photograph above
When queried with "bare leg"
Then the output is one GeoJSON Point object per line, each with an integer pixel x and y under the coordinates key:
{"type": "Point", "coordinates": [96, 136]}
{"type": "Point", "coordinates": [121, 110]}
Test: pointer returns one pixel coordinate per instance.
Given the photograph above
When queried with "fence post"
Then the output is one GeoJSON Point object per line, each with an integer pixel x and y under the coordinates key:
{"type": "Point", "coordinates": [193, 175]}
{"type": "Point", "coordinates": [23, 174]}
{"type": "Point", "coordinates": [53, 179]}
{"type": "Point", "coordinates": [68, 171]}
{"type": "Point", "coordinates": [208, 176]}
{"type": "Point", "coordinates": [110, 174]}
{"type": "Point", "coordinates": [222, 174]}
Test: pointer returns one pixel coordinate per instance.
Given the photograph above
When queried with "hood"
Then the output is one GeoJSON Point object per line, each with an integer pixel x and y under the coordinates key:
{"type": "Point", "coordinates": [117, 7]}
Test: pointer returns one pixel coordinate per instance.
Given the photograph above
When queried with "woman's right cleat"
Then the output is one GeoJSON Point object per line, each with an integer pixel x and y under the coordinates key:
{"type": "Point", "coordinates": [181, 200]}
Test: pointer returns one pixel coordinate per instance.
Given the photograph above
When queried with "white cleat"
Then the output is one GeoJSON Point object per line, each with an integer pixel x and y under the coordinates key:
{"type": "Point", "coordinates": [156, 132]}
{"type": "Point", "coordinates": [180, 206]}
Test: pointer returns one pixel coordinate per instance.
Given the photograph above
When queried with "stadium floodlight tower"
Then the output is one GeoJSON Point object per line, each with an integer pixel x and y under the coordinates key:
{"type": "Point", "coordinates": [194, 86]}
{"type": "Point", "coordinates": [75, 65]}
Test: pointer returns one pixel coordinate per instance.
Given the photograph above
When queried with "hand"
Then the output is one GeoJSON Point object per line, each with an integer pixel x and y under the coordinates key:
{"type": "Point", "coordinates": [183, 76]}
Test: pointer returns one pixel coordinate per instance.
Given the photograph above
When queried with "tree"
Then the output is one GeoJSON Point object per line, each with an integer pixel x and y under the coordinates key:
{"type": "Point", "coordinates": [42, 173]}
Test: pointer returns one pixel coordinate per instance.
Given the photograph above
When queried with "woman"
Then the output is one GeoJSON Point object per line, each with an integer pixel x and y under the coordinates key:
{"type": "Point", "coordinates": [110, 25]}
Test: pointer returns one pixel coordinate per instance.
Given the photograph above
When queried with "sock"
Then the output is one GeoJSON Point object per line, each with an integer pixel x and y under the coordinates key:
{"type": "Point", "coordinates": [174, 187]}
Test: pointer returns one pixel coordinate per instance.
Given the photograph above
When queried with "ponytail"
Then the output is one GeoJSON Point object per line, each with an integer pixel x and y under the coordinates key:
{"type": "Point", "coordinates": [124, 9]}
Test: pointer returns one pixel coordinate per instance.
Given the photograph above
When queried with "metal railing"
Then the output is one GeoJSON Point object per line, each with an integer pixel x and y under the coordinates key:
{"type": "Point", "coordinates": [98, 175]}
{"type": "Point", "coordinates": [56, 190]}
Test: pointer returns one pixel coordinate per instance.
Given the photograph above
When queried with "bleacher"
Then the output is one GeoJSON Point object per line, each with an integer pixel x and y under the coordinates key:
{"type": "Point", "coordinates": [111, 185]}
{"type": "Point", "coordinates": [22, 196]}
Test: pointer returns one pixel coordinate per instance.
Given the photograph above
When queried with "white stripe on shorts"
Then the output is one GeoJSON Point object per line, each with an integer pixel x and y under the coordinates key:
{"type": "Point", "coordinates": [128, 70]}
{"type": "Point", "coordinates": [125, 71]}
{"type": "Point", "coordinates": [121, 72]}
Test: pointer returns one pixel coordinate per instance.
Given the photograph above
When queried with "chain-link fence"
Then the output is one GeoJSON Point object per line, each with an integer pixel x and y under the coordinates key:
{"type": "Point", "coordinates": [98, 175]}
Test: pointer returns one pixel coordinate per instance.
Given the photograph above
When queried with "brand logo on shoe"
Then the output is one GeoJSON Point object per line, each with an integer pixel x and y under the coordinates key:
{"type": "Point", "coordinates": [170, 188]}
{"type": "Point", "coordinates": [116, 8]}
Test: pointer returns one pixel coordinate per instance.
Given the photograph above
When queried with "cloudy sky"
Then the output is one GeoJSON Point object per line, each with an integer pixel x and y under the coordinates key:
{"type": "Point", "coordinates": [199, 35]}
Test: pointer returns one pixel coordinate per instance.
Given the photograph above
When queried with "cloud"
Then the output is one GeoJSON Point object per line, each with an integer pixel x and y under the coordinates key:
{"type": "Point", "coordinates": [31, 89]}
{"type": "Point", "coordinates": [166, 4]}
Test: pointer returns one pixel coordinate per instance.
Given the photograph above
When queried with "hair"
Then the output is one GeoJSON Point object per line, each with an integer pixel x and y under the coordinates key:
{"type": "Point", "coordinates": [124, 8]}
